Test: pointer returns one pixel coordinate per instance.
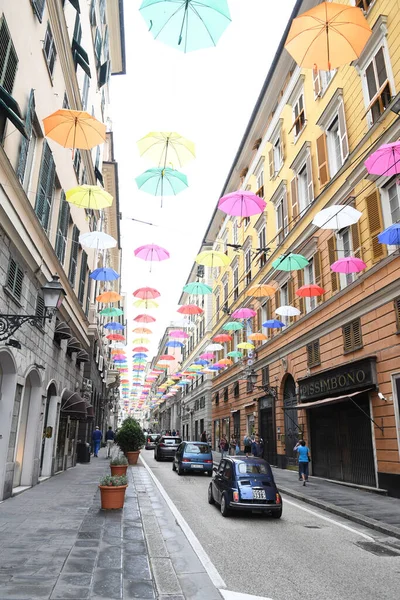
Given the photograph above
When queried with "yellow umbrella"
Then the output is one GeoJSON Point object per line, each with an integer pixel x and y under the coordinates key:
{"type": "Point", "coordinates": [166, 147]}
{"type": "Point", "coordinates": [89, 196]}
{"type": "Point", "coordinates": [142, 340]}
{"type": "Point", "coordinates": [257, 337]}
{"type": "Point", "coordinates": [213, 258]}
{"type": "Point", "coordinates": [195, 368]}
{"type": "Point", "coordinates": [146, 303]}
{"type": "Point", "coordinates": [260, 291]}
{"type": "Point", "coordinates": [246, 346]}
{"type": "Point", "coordinates": [328, 36]}
{"type": "Point", "coordinates": [74, 129]}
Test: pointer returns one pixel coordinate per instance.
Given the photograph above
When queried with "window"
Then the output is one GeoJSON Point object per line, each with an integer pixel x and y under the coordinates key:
{"type": "Point", "coordinates": [38, 8]}
{"type": "Point", "coordinates": [28, 146]}
{"type": "Point", "coordinates": [265, 376]}
{"type": "Point", "coordinates": [301, 186]}
{"type": "Point", "coordinates": [77, 163]}
{"type": "Point", "coordinates": [217, 399]}
{"type": "Point", "coordinates": [226, 293]}
{"type": "Point", "coordinates": [276, 153]}
{"type": "Point", "coordinates": [106, 44]}
{"type": "Point", "coordinates": [15, 277]}
{"type": "Point", "coordinates": [391, 207]}
{"type": "Point", "coordinates": [321, 81]}
{"type": "Point", "coordinates": [333, 144]}
{"type": "Point", "coordinates": [217, 307]}
{"type": "Point", "coordinates": [247, 266]}
{"type": "Point", "coordinates": [235, 282]}
{"type": "Point", "coordinates": [82, 278]}
{"type": "Point", "coordinates": [98, 45]}
{"type": "Point", "coordinates": [236, 390]}
{"type": "Point", "coordinates": [364, 4]}
{"type": "Point", "coordinates": [281, 217]}
{"type": "Point", "coordinates": [313, 354]}
{"type": "Point", "coordinates": [85, 91]}
{"type": "Point", "coordinates": [88, 295]}
{"type": "Point", "coordinates": [225, 243]}
{"type": "Point", "coordinates": [352, 337]}
{"type": "Point", "coordinates": [73, 261]}
{"type": "Point", "coordinates": [102, 8]}
{"type": "Point", "coordinates": [8, 58]}
{"type": "Point", "coordinates": [62, 228]}
{"type": "Point", "coordinates": [92, 13]}
{"type": "Point", "coordinates": [49, 50]}
{"type": "Point", "coordinates": [202, 402]}
{"type": "Point", "coordinates": [226, 394]}
{"type": "Point", "coordinates": [284, 300]}
{"type": "Point", "coordinates": [299, 116]}
{"type": "Point", "coordinates": [45, 193]}
{"type": "Point", "coordinates": [309, 279]}
{"type": "Point", "coordinates": [397, 312]}
{"type": "Point", "coordinates": [344, 247]}
{"type": "Point", "coordinates": [377, 86]}
{"type": "Point", "coordinates": [259, 173]}
{"type": "Point", "coordinates": [262, 244]}
{"type": "Point", "coordinates": [235, 232]}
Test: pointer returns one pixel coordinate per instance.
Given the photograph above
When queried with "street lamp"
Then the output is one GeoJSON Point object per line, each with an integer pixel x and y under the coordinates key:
{"type": "Point", "coordinates": [252, 380]}
{"type": "Point", "coordinates": [53, 296]}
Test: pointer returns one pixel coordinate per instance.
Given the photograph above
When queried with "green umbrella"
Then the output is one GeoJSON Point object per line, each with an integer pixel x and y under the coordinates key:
{"type": "Point", "coordinates": [290, 262]}
{"type": "Point", "coordinates": [162, 182]}
{"type": "Point", "coordinates": [235, 354]}
{"type": "Point", "coordinates": [197, 289]}
{"type": "Point", "coordinates": [186, 24]}
{"type": "Point", "coordinates": [232, 326]}
{"type": "Point", "coordinates": [111, 312]}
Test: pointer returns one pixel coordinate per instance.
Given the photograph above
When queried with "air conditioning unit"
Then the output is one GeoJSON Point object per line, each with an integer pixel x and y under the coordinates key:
{"type": "Point", "coordinates": [87, 385]}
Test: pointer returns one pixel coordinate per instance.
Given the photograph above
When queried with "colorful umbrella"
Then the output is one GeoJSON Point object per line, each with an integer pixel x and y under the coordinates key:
{"type": "Point", "coordinates": [166, 147]}
{"type": "Point", "coordinates": [196, 288]}
{"type": "Point", "coordinates": [151, 252]}
{"type": "Point", "coordinates": [226, 362]}
{"type": "Point", "coordinates": [328, 36]}
{"type": "Point", "coordinates": [195, 367]}
{"type": "Point", "coordinates": [97, 240]}
{"type": "Point", "coordinates": [201, 362]}
{"type": "Point", "coordinates": [162, 182]}
{"type": "Point", "coordinates": [391, 235]}
{"type": "Point", "coordinates": [141, 341]}
{"type": "Point", "coordinates": [140, 355]}
{"type": "Point", "coordinates": [91, 197]}
{"type": "Point", "coordinates": [232, 326]}
{"type": "Point", "coordinates": [207, 355]}
{"type": "Point", "coordinates": [222, 338]}
{"type": "Point", "coordinates": [213, 348]}
{"type": "Point", "coordinates": [257, 337]}
{"type": "Point", "coordinates": [113, 325]}
{"type": "Point", "coordinates": [111, 312]}
{"type": "Point", "coordinates": [235, 354]}
{"type": "Point", "coordinates": [142, 330]}
{"type": "Point", "coordinates": [260, 291]}
{"type": "Point", "coordinates": [74, 129]}
{"type": "Point", "coordinates": [115, 337]}
{"type": "Point", "coordinates": [190, 309]}
{"type": "Point", "coordinates": [246, 346]}
{"type": "Point", "coordinates": [146, 293]}
{"type": "Point", "coordinates": [109, 297]}
{"type": "Point", "coordinates": [310, 290]}
{"type": "Point", "coordinates": [348, 264]}
{"type": "Point", "coordinates": [146, 304]}
{"type": "Point", "coordinates": [174, 344]}
{"type": "Point", "coordinates": [290, 262]}
{"type": "Point", "coordinates": [337, 216]}
{"type": "Point", "coordinates": [186, 24]}
{"type": "Point", "coordinates": [104, 274]}
{"type": "Point", "coordinates": [242, 204]}
{"type": "Point", "coordinates": [385, 160]}
{"type": "Point", "coordinates": [215, 367]}
{"type": "Point", "coordinates": [212, 258]}
{"type": "Point", "coordinates": [243, 313]}
{"type": "Point", "coordinates": [287, 311]}
{"type": "Point", "coordinates": [144, 319]}
{"type": "Point", "coordinates": [167, 357]}
{"type": "Point", "coordinates": [178, 333]}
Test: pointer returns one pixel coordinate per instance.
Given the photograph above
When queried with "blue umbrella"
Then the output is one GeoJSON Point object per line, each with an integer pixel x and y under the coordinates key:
{"type": "Point", "coordinates": [273, 324]}
{"type": "Point", "coordinates": [113, 325]}
{"type": "Point", "coordinates": [215, 367]}
{"type": "Point", "coordinates": [140, 355]}
{"type": "Point", "coordinates": [391, 235]}
{"type": "Point", "coordinates": [201, 362]}
{"type": "Point", "coordinates": [174, 344]}
{"type": "Point", "coordinates": [104, 274]}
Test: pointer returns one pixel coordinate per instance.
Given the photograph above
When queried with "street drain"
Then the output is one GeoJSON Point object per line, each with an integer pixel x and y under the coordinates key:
{"type": "Point", "coordinates": [312, 527]}
{"type": "Point", "coordinates": [377, 549]}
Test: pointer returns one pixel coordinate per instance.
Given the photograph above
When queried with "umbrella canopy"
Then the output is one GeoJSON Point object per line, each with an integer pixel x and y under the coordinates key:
{"type": "Point", "coordinates": [212, 258]}
{"type": "Point", "coordinates": [190, 309]}
{"type": "Point", "coordinates": [144, 319]}
{"type": "Point", "coordinates": [213, 348]}
{"type": "Point", "coordinates": [235, 354]}
{"type": "Point", "coordinates": [186, 25]}
{"type": "Point", "coordinates": [197, 289]}
{"type": "Point", "coordinates": [328, 36]}
{"type": "Point", "coordinates": [243, 313]}
{"type": "Point", "coordinates": [337, 216]}
{"type": "Point", "coordinates": [195, 367]}
{"type": "Point", "coordinates": [142, 330]}
{"type": "Point", "coordinates": [310, 290]}
{"type": "Point", "coordinates": [108, 297]}
{"type": "Point", "coordinates": [207, 355]}
{"type": "Point", "coordinates": [162, 182]}
{"type": "Point", "coordinates": [287, 311]}
{"type": "Point", "coordinates": [74, 129]}
{"type": "Point", "coordinates": [257, 337]}
{"type": "Point", "coordinates": [92, 197]}
{"type": "Point", "coordinates": [164, 147]}
{"type": "Point", "coordinates": [246, 346]}
{"type": "Point", "coordinates": [202, 362]}
{"type": "Point", "coordinates": [222, 338]}
{"type": "Point", "coordinates": [260, 291]}
{"type": "Point", "coordinates": [140, 349]}
{"type": "Point", "coordinates": [115, 337]}
{"type": "Point", "coordinates": [215, 367]}
{"type": "Point", "coordinates": [391, 235]}
{"type": "Point", "coordinates": [290, 262]}
{"type": "Point", "coordinates": [97, 240]}
{"type": "Point", "coordinates": [146, 304]}
{"type": "Point", "coordinates": [104, 274]}
{"type": "Point", "coordinates": [140, 355]}
{"type": "Point", "coordinates": [242, 204]}
{"type": "Point", "coordinates": [146, 293]}
{"type": "Point", "coordinates": [232, 326]}
{"type": "Point", "coordinates": [174, 344]}
{"type": "Point", "coordinates": [179, 334]}
{"type": "Point", "coordinates": [226, 362]}
{"type": "Point", "coordinates": [385, 160]}
{"type": "Point", "coordinates": [111, 312]}
{"type": "Point", "coordinates": [151, 252]}
{"type": "Point", "coordinates": [141, 340]}
{"type": "Point", "coordinates": [348, 264]}
{"type": "Point", "coordinates": [113, 325]}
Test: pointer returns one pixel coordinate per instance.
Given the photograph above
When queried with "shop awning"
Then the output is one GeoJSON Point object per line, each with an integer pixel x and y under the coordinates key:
{"type": "Point", "coordinates": [327, 401]}
{"type": "Point", "coordinates": [73, 345]}
{"type": "Point", "coordinates": [73, 405]}
{"type": "Point", "coordinates": [62, 331]}
{"type": "Point", "coordinates": [82, 356]}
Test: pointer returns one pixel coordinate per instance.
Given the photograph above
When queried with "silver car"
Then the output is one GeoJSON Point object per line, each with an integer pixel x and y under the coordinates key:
{"type": "Point", "coordinates": [151, 440]}
{"type": "Point", "coordinates": [166, 447]}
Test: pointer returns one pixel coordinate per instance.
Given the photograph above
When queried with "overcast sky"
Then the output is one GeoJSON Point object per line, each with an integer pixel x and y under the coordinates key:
{"type": "Point", "coordinates": [206, 96]}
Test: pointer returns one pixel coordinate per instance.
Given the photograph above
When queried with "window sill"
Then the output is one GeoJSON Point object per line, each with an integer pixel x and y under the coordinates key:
{"type": "Point", "coordinates": [298, 136]}
{"type": "Point", "coordinates": [318, 364]}
{"type": "Point", "coordinates": [352, 350]}
{"type": "Point", "coordinates": [11, 295]}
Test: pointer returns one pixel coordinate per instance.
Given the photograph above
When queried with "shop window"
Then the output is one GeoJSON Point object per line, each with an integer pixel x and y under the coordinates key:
{"type": "Point", "coordinates": [313, 354]}
{"type": "Point", "coordinates": [15, 278]}
{"type": "Point", "coordinates": [49, 50]}
{"type": "Point", "coordinates": [397, 312]}
{"type": "Point", "coordinates": [352, 336]}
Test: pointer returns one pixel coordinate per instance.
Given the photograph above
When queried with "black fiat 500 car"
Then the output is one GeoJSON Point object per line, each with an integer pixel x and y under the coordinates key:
{"type": "Point", "coordinates": [166, 447]}
{"type": "Point", "coordinates": [242, 483]}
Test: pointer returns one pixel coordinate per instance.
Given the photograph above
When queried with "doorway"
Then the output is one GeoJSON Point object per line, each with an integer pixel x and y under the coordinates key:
{"type": "Point", "coordinates": [236, 426]}
{"type": "Point", "coordinates": [267, 430]}
{"type": "Point", "coordinates": [290, 420]}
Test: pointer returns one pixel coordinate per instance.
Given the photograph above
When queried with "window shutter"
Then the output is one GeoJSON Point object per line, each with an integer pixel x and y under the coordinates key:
{"type": "Point", "coordinates": [39, 311]}
{"type": "Point", "coordinates": [82, 278]}
{"type": "Point", "coordinates": [352, 336]}
{"type": "Point", "coordinates": [88, 296]}
{"type": "Point", "coordinates": [310, 185]}
{"type": "Point", "coordinates": [356, 240]}
{"type": "Point", "coordinates": [285, 214]}
{"type": "Point", "coordinates": [44, 194]}
{"type": "Point", "coordinates": [332, 259]}
{"type": "Point", "coordinates": [38, 7]}
{"type": "Point", "coordinates": [318, 273]}
{"type": "Point", "coordinates": [104, 73]}
{"type": "Point", "coordinates": [397, 312]}
{"type": "Point", "coordinates": [23, 151]}
{"type": "Point", "coordinates": [347, 338]}
{"type": "Point", "coordinates": [300, 282]}
{"type": "Point", "coordinates": [344, 142]}
{"type": "Point", "coordinates": [62, 228]}
{"type": "Point", "coordinates": [313, 354]}
{"type": "Point", "coordinates": [290, 289]}
{"type": "Point", "coordinates": [8, 58]}
{"type": "Point", "coordinates": [375, 225]}
{"type": "Point", "coordinates": [322, 157]}
{"type": "Point", "coordinates": [294, 198]}
{"type": "Point", "coordinates": [316, 83]}
{"type": "Point", "coordinates": [357, 337]}
{"type": "Point", "coordinates": [74, 256]}
{"type": "Point", "coordinates": [15, 277]}
{"type": "Point", "coordinates": [282, 148]}
{"type": "Point", "coordinates": [271, 163]}
{"type": "Point", "coordinates": [277, 299]}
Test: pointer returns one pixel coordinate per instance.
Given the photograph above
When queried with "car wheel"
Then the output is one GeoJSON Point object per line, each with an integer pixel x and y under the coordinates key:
{"type": "Point", "coordinates": [224, 506]}
{"type": "Point", "coordinates": [180, 470]}
{"type": "Point", "coordinates": [173, 466]}
{"type": "Point", "coordinates": [210, 495]}
{"type": "Point", "coordinates": [277, 514]}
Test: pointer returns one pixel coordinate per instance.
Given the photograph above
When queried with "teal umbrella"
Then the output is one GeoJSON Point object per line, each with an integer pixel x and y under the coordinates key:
{"type": "Point", "coordinates": [235, 354]}
{"type": "Point", "coordinates": [197, 289]}
{"type": "Point", "coordinates": [162, 182]}
{"type": "Point", "coordinates": [290, 262]}
{"type": "Point", "coordinates": [232, 326]}
{"type": "Point", "coordinates": [186, 24]}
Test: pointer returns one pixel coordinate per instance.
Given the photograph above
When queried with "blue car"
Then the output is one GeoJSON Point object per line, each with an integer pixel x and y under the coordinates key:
{"type": "Point", "coordinates": [242, 483]}
{"type": "Point", "coordinates": [194, 457]}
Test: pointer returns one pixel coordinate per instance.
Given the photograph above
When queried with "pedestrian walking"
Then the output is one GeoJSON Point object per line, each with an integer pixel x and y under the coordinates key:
{"type": "Point", "coordinates": [257, 447]}
{"type": "Point", "coordinates": [295, 450]}
{"type": "Point", "coordinates": [247, 441]}
{"type": "Point", "coordinates": [223, 446]}
{"type": "Point", "coordinates": [204, 437]}
{"type": "Point", "coordinates": [110, 439]}
{"type": "Point", "coordinates": [232, 445]}
{"type": "Point", "coordinates": [173, 432]}
{"type": "Point", "coordinates": [96, 438]}
{"type": "Point", "coordinates": [303, 452]}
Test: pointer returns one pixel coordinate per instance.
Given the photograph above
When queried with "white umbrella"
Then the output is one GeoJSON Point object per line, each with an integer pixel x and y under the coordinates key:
{"type": "Point", "coordinates": [336, 217]}
{"type": "Point", "coordinates": [214, 347]}
{"type": "Point", "coordinates": [287, 311]}
{"type": "Point", "coordinates": [97, 240]}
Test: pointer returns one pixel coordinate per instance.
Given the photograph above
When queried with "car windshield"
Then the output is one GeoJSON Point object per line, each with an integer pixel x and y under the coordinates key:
{"type": "Point", "coordinates": [245, 468]}
{"type": "Point", "coordinates": [153, 436]}
{"type": "Point", "coordinates": [197, 449]}
{"type": "Point", "coordinates": [172, 441]}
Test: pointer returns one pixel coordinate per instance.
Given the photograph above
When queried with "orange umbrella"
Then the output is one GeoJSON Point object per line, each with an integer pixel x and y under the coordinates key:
{"type": "Point", "coordinates": [328, 36]}
{"type": "Point", "coordinates": [142, 330]}
{"type": "Point", "coordinates": [109, 297]}
{"type": "Point", "coordinates": [308, 291]}
{"type": "Point", "coordinates": [256, 337]}
{"type": "Point", "coordinates": [74, 129]}
{"type": "Point", "coordinates": [222, 338]}
{"type": "Point", "coordinates": [260, 291]}
{"type": "Point", "coordinates": [225, 361]}
{"type": "Point", "coordinates": [190, 309]}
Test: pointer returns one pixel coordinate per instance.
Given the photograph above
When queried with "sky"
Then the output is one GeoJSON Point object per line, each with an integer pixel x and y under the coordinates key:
{"type": "Point", "coordinates": [208, 97]}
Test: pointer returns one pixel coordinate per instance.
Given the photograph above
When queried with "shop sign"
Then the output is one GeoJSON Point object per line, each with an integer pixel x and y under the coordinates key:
{"type": "Point", "coordinates": [349, 377]}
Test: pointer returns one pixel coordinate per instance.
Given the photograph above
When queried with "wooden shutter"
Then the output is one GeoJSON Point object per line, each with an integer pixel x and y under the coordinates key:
{"type": "Point", "coordinates": [277, 299]}
{"type": "Point", "coordinates": [357, 334]}
{"type": "Point", "coordinates": [44, 196]}
{"type": "Point", "coordinates": [40, 308]}
{"type": "Point", "coordinates": [258, 319]}
{"type": "Point", "coordinates": [294, 198]}
{"type": "Point", "coordinates": [82, 278]}
{"type": "Point", "coordinates": [375, 225]}
{"type": "Point", "coordinates": [352, 336]}
{"type": "Point", "coordinates": [282, 148]}
{"type": "Point", "coordinates": [74, 256]}
{"type": "Point", "coordinates": [332, 259]}
{"type": "Point", "coordinates": [300, 282]}
{"type": "Point", "coordinates": [344, 142]}
{"type": "Point", "coordinates": [313, 354]}
{"type": "Point", "coordinates": [318, 273]}
{"type": "Point", "coordinates": [62, 228]}
{"type": "Point", "coordinates": [23, 151]}
{"type": "Point", "coordinates": [285, 217]}
{"type": "Point", "coordinates": [322, 158]}
{"type": "Point", "coordinates": [290, 289]}
{"type": "Point", "coordinates": [271, 163]}
{"type": "Point", "coordinates": [356, 240]}
{"type": "Point", "coordinates": [397, 312]}
{"type": "Point", "coordinates": [316, 82]}
{"type": "Point", "coordinates": [310, 184]}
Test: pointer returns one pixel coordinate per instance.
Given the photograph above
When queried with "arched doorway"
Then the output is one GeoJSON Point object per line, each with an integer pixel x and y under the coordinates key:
{"type": "Point", "coordinates": [49, 431]}
{"type": "Point", "coordinates": [8, 382]}
{"type": "Point", "coordinates": [291, 419]}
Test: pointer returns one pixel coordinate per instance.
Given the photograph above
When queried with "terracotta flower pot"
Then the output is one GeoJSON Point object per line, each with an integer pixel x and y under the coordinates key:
{"type": "Point", "coordinates": [118, 469]}
{"type": "Point", "coordinates": [132, 457]}
{"type": "Point", "coordinates": [112, 497]}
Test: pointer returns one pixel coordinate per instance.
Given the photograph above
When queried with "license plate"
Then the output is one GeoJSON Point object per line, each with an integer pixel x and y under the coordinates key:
{"type": "Point", "coordinates": [197, 466]}
{"type": "Point", "coordinates": [259, 495]}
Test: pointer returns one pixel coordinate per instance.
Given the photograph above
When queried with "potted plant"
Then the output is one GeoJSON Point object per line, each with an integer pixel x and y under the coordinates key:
{"type": "Point", "coordinates": [119, 465]}
{"type": "Point", "coordinates": [112, 491]}
{"type": "Point", "coordinates": [130, 438]}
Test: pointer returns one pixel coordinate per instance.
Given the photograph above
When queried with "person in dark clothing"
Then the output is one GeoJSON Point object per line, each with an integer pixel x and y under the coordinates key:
{"type": "Point", "coordinates": [203, 437]}
{"type": "Point", "coordinates": [96, 438]}
{"type": "Point", "coordinates": [110, 439]}
{"type": "Point", "coordinates": [257, 448]}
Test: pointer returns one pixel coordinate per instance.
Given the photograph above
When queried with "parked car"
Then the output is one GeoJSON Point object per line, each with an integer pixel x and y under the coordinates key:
{"type": "Point", "coordinates": [193, 456]}
{"type": "Point", "coordinates": [151, 440]}
{"type": "Point", "coordinates": [166, 446]}
{"type": "Point", "coordinates": [242, 483]}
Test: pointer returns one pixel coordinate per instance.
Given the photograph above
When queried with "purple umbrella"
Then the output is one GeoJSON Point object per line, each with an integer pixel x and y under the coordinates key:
{"type": "Point", "coordinates": [348, 264]}
{"type": "Point", "coordinates": [151, 252]}
{"type": "Point", "coordinates": [242, 204]}
{"type": "Point", "coordinates": [385, 160]}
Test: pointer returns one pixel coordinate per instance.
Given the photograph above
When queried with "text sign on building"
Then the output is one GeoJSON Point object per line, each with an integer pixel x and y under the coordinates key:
{"type": "Point", "coordinates": [347, 378]}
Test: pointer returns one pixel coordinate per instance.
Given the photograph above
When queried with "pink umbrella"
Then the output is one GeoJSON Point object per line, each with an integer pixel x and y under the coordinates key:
{"type": "Point", "coordinates": [151, 252]}
{"type": "Point", "coordinates": [243, 313]}
{"type": "Point", "coordinates": [179, 333]}
{"type": "Point", "coordinates": [207, 355]}
{"type": "Point", "coordinates": [348, 264]}
{"type": "Point", "coordinates": [241, 204]}
{"type": "Point", "coordinates": [384, 161]}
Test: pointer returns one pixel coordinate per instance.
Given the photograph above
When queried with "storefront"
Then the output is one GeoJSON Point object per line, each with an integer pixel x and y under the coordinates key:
{"type": "Point", "coordinates": [340, 421]}
{"type": "Point", "coordinates": [266, 421]}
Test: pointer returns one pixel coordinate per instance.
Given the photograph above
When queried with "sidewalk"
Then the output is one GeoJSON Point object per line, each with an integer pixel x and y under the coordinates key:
{"type": "Point", "coordinates": [370, 509]}
{"type": "Point", "coordinates": [57, 544]}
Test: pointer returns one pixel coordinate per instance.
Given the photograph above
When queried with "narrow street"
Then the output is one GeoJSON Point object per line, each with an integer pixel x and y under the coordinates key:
{"type": "Point", "coordinates": [308, 554]}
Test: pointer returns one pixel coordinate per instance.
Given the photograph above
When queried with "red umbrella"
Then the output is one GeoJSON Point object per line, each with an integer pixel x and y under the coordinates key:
{"type": "Point", "coordinates": [115, 337]}
{"type": "Point", "coordinates": [190, 309]}
{"type": "Point", "coordinates": [147, 293]}
{"type": "Point", "coordinates": [307, 291]}
{"type": "Point", "coordinates": [140, 349]}
{"type": "Point", "coordinates": [144, 319]}
{"type": "Point", "coordinates": [166, 357]}
{"type": "Point", "coordinates": [222, 337]}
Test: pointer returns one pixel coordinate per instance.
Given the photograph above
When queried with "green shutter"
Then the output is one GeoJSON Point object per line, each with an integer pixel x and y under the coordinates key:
{"type": "Point", "coordinates": [44, 196]}
{"type": "Point", "coordinates": [62, 228]}
{"type": "Point", "coordinates": [38, 7]}
{"type": "Point", "coordinates": [82, 278]}
{"type": "Point", "coordinates": [23, 151]}
{"type": "Point", "coordinates": [74, 256]}
{"type": "Point", "coordinates": [8, 58]}
{"type": "Point", "coordinates": [88, 296]}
